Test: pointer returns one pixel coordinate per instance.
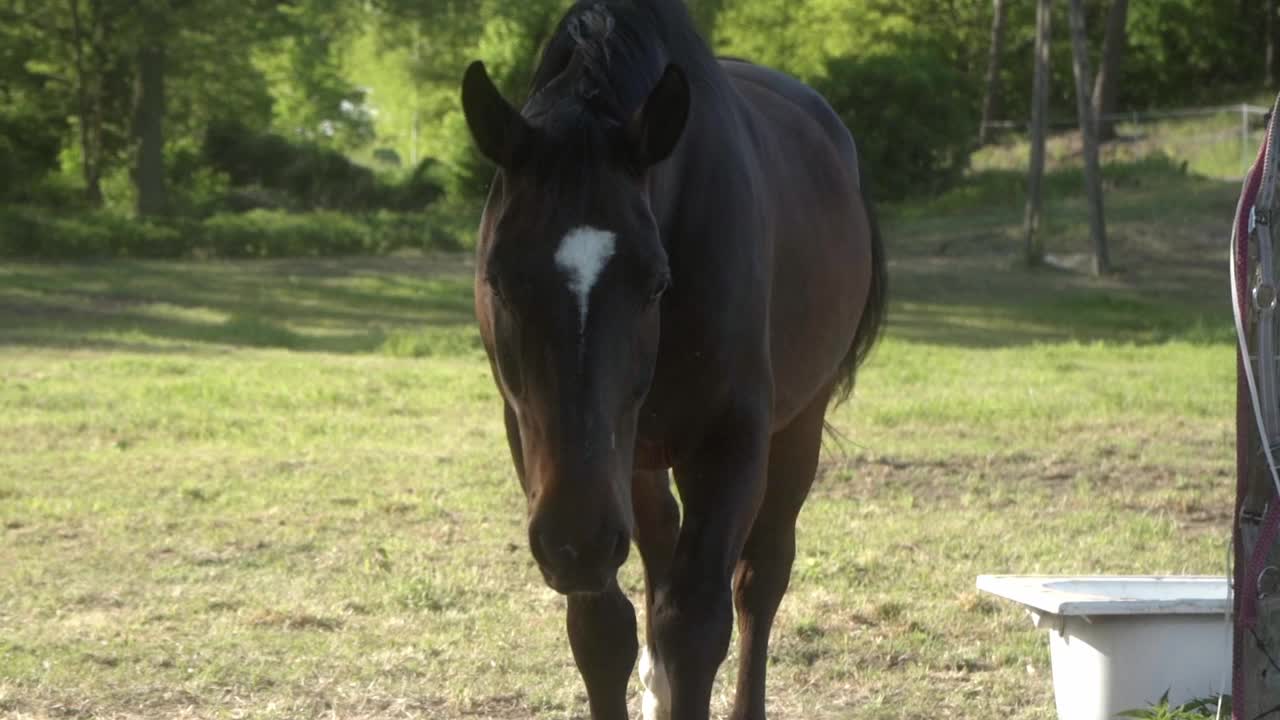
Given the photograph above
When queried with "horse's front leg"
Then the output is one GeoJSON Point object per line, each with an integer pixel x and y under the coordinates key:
{"type": "Point", "coordinates": [602, 626]}
{"type": "Point", "coordinates": [721, 486]}
{"type": "Point", "coordinates": [602, 633]}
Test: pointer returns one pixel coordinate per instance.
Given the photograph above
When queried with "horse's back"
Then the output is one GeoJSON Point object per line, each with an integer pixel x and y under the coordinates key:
{"type": "Point", "coordinates": [751, 80]}
{"type": "Point", "coordinates": [819, 232]}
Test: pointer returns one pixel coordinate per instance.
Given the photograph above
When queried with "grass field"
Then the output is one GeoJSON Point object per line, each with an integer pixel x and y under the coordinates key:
{"type": "Point", "coordinates": [280, 489]}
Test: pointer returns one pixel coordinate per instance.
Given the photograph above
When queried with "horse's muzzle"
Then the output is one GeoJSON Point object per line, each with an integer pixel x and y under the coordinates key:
{"type": "Point", "coordinates": [582, 566]}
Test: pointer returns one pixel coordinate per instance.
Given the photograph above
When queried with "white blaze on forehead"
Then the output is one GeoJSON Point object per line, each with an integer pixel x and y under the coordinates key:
{"type": "Point", "coordinates": [657, 689]}
{"type": "Point", "coordinates": [582, 256]}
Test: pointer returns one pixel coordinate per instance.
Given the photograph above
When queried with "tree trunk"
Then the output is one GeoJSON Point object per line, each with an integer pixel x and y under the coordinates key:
{"type": "Point", "coordinates": [1039, 122]}
{"type": "Point", "coordinates": [1092, 170]}
{"type": "Point", "coordinates": [1105, 89]}
{"type": "Point", "coordinates": [991, 97]}
{"type": "Point", "coordinates": [89, 101]}
{"type": "Point", "coordinates": [148, 127]}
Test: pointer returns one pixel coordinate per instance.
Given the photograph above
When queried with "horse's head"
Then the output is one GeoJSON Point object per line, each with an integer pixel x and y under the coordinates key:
{"type": "Point", "coordinates": [571, 273]}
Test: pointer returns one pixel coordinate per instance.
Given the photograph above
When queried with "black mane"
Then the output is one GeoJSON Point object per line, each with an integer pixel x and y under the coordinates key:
{"type": "Point", "coordinates": [605, 57]}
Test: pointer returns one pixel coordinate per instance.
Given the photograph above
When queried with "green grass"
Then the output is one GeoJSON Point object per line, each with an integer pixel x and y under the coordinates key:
{"type": "Point", "coordinates": [1206, 144]}
{"type": "Point", "coordinates": [280, 489]}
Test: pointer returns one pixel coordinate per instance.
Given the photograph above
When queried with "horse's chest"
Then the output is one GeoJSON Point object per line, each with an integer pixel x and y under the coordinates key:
{"type": "Point", "coordinates": [690, 389]}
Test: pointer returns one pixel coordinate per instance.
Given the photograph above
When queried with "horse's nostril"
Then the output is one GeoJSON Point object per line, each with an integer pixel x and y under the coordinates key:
{"type": "Point", "coordinates": [542, 546]}
{"type": "Point", "coordinates": [567, 554]}
{"type": "Point", "coordinates": [553, 552]}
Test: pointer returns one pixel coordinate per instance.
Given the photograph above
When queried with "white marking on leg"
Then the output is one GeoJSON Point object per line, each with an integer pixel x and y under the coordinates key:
{"type": "Point", "coordinates": [582, 256]}
{"type": "Point", "coordinates": [657, 689]}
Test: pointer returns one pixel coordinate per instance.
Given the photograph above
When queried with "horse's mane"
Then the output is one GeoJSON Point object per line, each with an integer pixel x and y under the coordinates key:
{"type": "Point", "coordinates": [596, 71]}
{"type": "Point", "coordinates": [605, 57]}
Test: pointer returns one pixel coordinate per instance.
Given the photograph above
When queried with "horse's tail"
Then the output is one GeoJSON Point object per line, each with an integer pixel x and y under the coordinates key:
{"type": "Point", "coordinates": [875, 312]}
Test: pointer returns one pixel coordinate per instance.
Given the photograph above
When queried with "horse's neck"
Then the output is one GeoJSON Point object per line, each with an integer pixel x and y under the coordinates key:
{"type": "Point", "coordinates": [710, 150]}
{"type": "Point", "coordinates": [706, 144]}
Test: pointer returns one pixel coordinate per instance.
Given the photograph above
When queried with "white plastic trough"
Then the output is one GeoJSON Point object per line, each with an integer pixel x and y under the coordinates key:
{"type": "Point", "coordinates": [1120, 643]}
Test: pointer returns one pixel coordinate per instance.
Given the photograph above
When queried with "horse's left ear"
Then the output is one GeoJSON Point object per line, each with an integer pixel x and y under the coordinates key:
{"type": "Point", "coordinates": [655, 130]}
{"type": "Point", "coordinates": [499, 130]}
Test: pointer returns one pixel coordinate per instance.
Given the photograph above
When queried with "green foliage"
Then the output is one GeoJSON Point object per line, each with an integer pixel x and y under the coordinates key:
{"type": "Point", "coordinates": [354, 78]}
{"type": "Point", "coordinates": [309, 176]}
{"type": "Point", "coordinates": [28, 232]}
{"type": "Point", "coordinates": [29, 145]}
{"type": "Point", "coordinates": [33, 233]}
{"type": "Point", "coordinates": [902, 76]}
{"type": "Point", "coordinates": [1199, 709]}
{"type": "Point", "coordinates": [314, 97]}
{"type": "Point", "coordinates": [910, 115]}
{"type": "Point", "coordinates": [508, 42]}
{"type": "Point", "coordinates": [32, 125]}
{"type": "Point", "coordinates": [264, 233]}
{"type": "Point", "coordinates": [1185, 52]}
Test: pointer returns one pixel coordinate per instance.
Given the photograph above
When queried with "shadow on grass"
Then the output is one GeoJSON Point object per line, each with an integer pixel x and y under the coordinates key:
{"type": "Point", "coordinates": [413, 306]}
{"type": "Point", "coordinates": [976, 301]}
{"type": "Point", "coordinates": [955, 280]}
{"type": "Point", "coordinates": [967, 303]}
{"type": "Point", "coordinates": [957, 277]}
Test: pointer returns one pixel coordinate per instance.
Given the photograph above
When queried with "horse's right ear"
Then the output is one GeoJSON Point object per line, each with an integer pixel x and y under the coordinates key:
{"type": "Point", "coordinates": [499, 130]}
{"type": "Point", "coordinates": [657, 127]}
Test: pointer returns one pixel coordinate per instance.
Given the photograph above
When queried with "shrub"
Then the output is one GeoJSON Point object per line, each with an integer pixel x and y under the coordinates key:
{"type": "Point", "coordinates": [311, 177]}
{"type": "Point", "coordinates": [33, 233]}
{"type": "Point", "coordinates": [29, 146]}
{"type": "Point", "coordinates": [912, 115]}
{"type": "Point", "coordinates": [25, 232]}
{"type": "Point", "coordinates": [263, 233]}
{"type": "Point", "coordinates": [195, 189]}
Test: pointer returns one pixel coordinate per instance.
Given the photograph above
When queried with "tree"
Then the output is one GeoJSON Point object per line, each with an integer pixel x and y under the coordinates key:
{"type": "Point", "coordinates": [1105, 89]}
{"type": "Point", "coordinates": [203, 35]}
{"type": "Point", "coordinates": [434, 42]}
{"type": "Point", "coordinates": [149, 174]}
{"type": "Point", "coordinates": [909, 116]}
{"type": "Point", "coordinates": [991, 95]}
{"type": "Point", "coordinates": [1092, 170]}
{"type": "Point", "coordinates": [1039, 125]}
{"type": "Point", "coordinates": [98, 79]}
{"type": "Point", "coordinates": [33, 114]}
{"type": "Point", "coordinates": [305, 62]}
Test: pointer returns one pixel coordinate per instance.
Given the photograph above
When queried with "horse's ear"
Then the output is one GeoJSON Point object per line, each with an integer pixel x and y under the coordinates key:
{"type": "Point", "coordinates": [655, 130]}
{"type": "Point", "coordinates": [499, 130]}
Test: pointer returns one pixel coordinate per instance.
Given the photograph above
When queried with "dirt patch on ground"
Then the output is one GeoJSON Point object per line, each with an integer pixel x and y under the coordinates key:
{"type": "Point", "coordinates": [1197, 498]}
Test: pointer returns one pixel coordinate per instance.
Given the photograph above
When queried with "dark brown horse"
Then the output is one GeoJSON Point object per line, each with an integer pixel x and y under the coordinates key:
{"type": "Point", "coordinates": [677, 269]}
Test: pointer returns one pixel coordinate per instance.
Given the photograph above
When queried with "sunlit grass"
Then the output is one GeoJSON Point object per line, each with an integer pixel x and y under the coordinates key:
{"type": "Point", "coordinates": [281, 489]}
{"type": "Point", "coordinates": [1220, 145]}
